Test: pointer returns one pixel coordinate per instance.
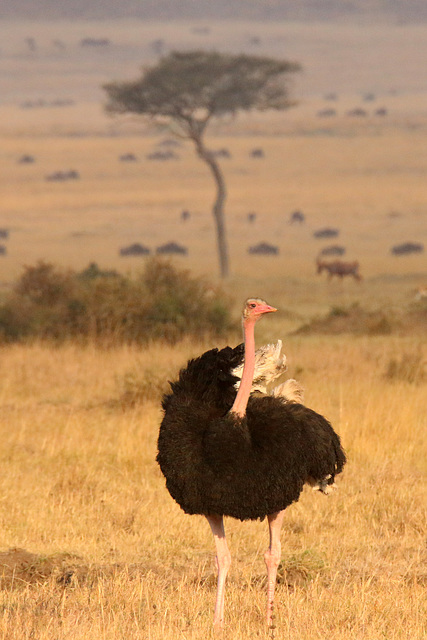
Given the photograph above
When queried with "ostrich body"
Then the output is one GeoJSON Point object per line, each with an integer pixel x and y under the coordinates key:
{"type": "Point", "coordinates": [242, 455]}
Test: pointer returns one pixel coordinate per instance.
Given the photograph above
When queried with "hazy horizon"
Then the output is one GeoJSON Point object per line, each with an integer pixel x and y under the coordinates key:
{"type": "Point", "coordinates": [400, 11]}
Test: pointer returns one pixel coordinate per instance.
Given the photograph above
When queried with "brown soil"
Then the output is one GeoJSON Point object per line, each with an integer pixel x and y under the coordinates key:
{"type": "Point", "coordinates": [20, 568]}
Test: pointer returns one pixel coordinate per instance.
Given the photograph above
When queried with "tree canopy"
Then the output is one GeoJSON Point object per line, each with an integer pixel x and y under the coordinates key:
{"type": "Point", "coordinates": [190, 88]}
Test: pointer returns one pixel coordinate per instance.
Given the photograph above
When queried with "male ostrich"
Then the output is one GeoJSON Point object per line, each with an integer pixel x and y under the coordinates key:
{"type": "Point", "coordinates": [241, 455]}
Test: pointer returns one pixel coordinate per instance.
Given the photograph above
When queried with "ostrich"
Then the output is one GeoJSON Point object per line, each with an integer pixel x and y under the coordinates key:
{"type": "Point", "coordinates": [240, 454]}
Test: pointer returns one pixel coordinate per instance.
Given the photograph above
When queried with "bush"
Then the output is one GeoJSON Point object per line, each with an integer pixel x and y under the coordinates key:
{"type": "Point", "coordinates": [44, 285]}
{"type": "Point", "coordinates": [161, 303]}
{"type": "Point", "coordinates": [352, 319]}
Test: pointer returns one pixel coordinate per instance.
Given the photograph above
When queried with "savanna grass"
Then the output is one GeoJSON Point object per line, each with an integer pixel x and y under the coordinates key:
{"type": "Point", "coordinates": [82, 492]}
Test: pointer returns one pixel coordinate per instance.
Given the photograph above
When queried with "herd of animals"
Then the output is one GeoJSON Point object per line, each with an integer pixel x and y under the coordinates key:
{"type": "Point", "coordinates": [335, 268]}
{"type": "Point", "coordinates": [235, 443]}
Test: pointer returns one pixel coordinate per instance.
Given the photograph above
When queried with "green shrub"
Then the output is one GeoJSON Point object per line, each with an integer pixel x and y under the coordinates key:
{"type": "Point", "coordinates": [161, 303]}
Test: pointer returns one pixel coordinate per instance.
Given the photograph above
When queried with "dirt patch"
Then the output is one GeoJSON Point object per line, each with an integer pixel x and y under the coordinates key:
{"type": "Point", "coordinates": [20, 568]}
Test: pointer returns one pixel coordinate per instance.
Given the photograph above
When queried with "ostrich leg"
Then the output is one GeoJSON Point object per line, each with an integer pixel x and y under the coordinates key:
{"type": "Point", "coordinates": [272, 559]}
{"type": "Point", "coordinates": [223, 561]}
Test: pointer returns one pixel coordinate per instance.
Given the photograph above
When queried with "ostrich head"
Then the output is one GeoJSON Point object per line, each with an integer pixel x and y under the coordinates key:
{"type": "Point", "coordinates": [254, 308]}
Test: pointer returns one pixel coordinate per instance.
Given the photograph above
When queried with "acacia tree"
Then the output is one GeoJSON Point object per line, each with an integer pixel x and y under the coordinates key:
{"type": "Point", "coordinates": [188, 89]}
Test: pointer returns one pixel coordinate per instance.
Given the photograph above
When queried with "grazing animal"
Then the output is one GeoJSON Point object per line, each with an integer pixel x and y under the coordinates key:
{"type": "Point", "coordinates": [333, 250]}
{"type": "Point", "coordinates": [128, 157]}
{"type": "Point", "coordinates": [172, 247]}
{"type": "Point", "coordinates": [245, 455]}
{"type": "Point", "coordinates": [135, 249]}
{"type": "Point", "coordinates": [326, 232]}
{"type": "Point", "coordinates": [251, 216]}
{"type": "Point", "coordinates": [339, 268]}
{"type": "Point", "coordinates": [326, 113]}
{"type": "Point", "coordinates": [407, 247]}
{"type": "Point", "coordinates": [297, 216]}
{"type": "Point", "coordinates": [264, 249]}
{"type": "Point", "coordinates": [421, 293]}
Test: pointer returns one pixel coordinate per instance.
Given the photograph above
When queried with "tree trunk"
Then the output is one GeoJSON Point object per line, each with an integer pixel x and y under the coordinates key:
{"type": "Point", "coordinates": [218, 206]}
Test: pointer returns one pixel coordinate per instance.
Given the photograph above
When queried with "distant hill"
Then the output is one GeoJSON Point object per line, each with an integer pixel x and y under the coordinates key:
{"type": "Point", "coordinates": [390, 10]}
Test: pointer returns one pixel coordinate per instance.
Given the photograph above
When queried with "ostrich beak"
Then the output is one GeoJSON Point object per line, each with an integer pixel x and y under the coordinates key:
{"type": "Point", "coordinates": [267, 309]}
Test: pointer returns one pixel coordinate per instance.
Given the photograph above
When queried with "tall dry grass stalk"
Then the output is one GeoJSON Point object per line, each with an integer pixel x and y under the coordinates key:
{"type": "Point", "coordinates": [114, 557]}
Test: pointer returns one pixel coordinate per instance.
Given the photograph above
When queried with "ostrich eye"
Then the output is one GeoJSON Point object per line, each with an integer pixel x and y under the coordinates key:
{"type": "Point", "coordinates": [252, 305]}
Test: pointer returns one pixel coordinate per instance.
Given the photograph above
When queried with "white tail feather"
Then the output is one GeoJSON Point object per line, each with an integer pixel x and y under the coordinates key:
{"type": "Point", "coordinates": [291, 391]}
{"type": "Point", "coordinates": [270, 364]}
{"type": "Point", "coordinates": [323, 485]}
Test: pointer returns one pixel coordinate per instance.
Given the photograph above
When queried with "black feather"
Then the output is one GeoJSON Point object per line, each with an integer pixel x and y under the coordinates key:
{"type": "Point", "coordinates": [217, 463]}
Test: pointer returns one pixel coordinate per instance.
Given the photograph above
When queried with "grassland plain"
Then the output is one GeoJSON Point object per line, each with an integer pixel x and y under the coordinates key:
{"type": "Point", "coordinates": [365, 176]}
{"type": "Point", "coordinates": [370, 188]}
{"type": "Point", "coordinates": [92, 546]}
{"type": "Point", "coordinates": [102, 551]}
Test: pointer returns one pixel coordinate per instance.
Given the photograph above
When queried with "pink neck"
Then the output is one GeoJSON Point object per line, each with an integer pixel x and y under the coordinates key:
{"type": "Point", "coordinates": [242, 397]}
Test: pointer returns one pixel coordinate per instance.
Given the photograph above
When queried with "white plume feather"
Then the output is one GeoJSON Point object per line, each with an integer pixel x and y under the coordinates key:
{"type": "Point", "coordinates": [270, 364]}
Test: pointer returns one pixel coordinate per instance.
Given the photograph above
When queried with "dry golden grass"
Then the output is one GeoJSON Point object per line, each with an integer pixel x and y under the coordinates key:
{"type": "Point", "coordinates": [79, 478]}
{"type": "Point", "coordinates": [105, 552]}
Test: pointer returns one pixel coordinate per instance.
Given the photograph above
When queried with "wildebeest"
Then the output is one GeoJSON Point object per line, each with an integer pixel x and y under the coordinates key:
{"type": "Point", "coordinates": [169, 142]}
{"type": "Point", "coordinates": [95, 42]}
{"type": "Point", "coordinates": [61, 176]}
{"type": "Point", "coordinates": [357, 112]}
{"type": "Point", "coordinates": [326, 113]}
{"type": "Point", "coordinates": [297, 216]}
{"type": "Point", "coordinates": [172, 247]}
{"type": "Point", "coordinates": [333, 250]}
{"type": "Point", "coordinates": [26, 159]}
{"type": "Point", "coordinates": [264, 248]}
{"type": "Point", "coordinates": [251, 216]}
{"type": "Point", "coordinates": [339, 268]}
{"type": "Point", "coordinates": [163, 155]}
{"type": "Point", "coordinates": [127, 157]}
{"type": "Point", "coordinates": [407, 247]}
{"type": "Point", "coordinates": [221, 153]}
{"type": "Point", "coordinates": [135, 249]}
{"type": "Point", "coordinates": [326, 232]}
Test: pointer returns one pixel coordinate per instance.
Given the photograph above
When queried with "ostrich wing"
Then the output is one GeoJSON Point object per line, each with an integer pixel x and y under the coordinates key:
{"type": "Point", "coordinates": [291, 391]}
{"type": "Point", "coordinates": [270, 363]}
{"type": "Point", "coordinates": [208, 379]}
